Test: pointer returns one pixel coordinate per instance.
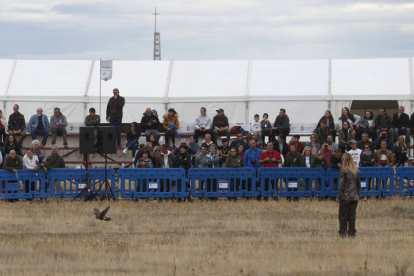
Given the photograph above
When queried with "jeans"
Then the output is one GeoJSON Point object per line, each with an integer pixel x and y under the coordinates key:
{"type": "Point", "coordinates": [116, 121]}
{"type": "Point", "coordinates": [133, 145]}
{"type": "Point", "coordinates": [198, 133]}
{"type": "Point", "coordinates": [59, 131]}
{"type": "Point", "coordinates": [170, 134]}
{"type": "Point", "coordinates": [41, 132]}
{"type": "Point", "coordinates": [217, 133]}
{"type": "Point", "coordinates": [406, 132]}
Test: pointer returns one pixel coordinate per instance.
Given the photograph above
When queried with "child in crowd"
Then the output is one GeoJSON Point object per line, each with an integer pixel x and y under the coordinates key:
{"type": "Point", "coordinates": [224, 150]}
{"type": "Point", "coordinates": [256, 129]}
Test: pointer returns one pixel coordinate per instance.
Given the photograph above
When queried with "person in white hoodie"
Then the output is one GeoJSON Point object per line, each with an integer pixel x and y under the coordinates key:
{"type": "Point", "coordinates": [31, 162]}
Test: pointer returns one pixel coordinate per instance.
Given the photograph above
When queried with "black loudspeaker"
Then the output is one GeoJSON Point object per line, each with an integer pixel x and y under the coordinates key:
{"type": "Point", "coordinates": [107, 135]}
{"type": "Point", "coordinates": [86, 140]}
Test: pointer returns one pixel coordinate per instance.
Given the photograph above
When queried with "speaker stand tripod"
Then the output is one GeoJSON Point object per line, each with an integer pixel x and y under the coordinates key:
{"type": "Point", "coordinates": [108, 194]}
{"type": "Point", "coordinates": [86, 191]}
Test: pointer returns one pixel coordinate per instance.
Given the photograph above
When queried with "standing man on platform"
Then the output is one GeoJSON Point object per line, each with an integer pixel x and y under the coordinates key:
{"type": "Point", "coordinates": [39, 125]}
{"type": "Point", "coordinates": [17, 124]}
{"type": "Point", "coordinates": [114, 113]}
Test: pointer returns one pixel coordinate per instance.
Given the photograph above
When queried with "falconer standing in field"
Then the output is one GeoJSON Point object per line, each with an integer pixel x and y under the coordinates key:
{"type": "Point", "coordinates": [348, 196]}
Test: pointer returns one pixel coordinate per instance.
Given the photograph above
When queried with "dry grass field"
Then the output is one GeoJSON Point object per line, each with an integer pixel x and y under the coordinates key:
{"type": "Point", "coordinates": [205, 238]}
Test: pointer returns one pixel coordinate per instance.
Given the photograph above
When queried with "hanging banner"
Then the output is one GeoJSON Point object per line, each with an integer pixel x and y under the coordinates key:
{"type": "Point", "coordinates": [106, 70]}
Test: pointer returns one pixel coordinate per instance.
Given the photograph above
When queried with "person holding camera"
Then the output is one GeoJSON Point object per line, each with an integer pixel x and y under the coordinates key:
{"type": "Point", "coordinates": [327, 153]}
{"type": "Point", "coordinates": [270, 158]}
{"type": "Point", "coordinates": [384, 137]}
{"type": "Point", "coordinates": [252, 156]}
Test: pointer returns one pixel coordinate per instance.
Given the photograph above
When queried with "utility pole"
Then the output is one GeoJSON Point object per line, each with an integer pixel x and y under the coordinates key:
{"type": "Point", "coordinates": [157, 38]}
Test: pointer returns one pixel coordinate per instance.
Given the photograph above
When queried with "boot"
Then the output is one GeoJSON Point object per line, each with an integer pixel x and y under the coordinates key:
{"type": "Point", "coordinates": [352, 231]}
{"type": "Point", "coordinates": [342, 228]}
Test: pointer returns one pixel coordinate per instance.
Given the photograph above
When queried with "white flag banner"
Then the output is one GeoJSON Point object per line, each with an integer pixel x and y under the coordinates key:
{"type": "Point", "coordinates": [106, 70]}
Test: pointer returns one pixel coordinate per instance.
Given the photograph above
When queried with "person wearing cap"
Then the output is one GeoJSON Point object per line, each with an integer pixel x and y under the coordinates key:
{"type": "Point", "coordinates": [92, 119]}
{"type": "Point", "coordinates": [281, 124]}
{"type": "Point", "coordinates": [220, 125]}
{"type": "Point", "coordinates": [58, 125]}
{"type": "Point", "coordinates": [39, 125]}
{"type": "Point", "coordinates": [355, 152]}
{"type": "Point", "coordinates": [295, 141]}
{"type": "Point", "coordinates": [170, 126]}
{"type": "Point", "coordinates": [320, 161]}
{"type": "Point", "coordinates": [150, 123]}
{"type": "Point", "coordinates": [202, 124]}
{"type": "Point", "coordinates": [114, 113]}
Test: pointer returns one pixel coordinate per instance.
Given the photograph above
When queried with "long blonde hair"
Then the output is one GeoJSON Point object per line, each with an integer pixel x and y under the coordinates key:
{"type": "Point", "coordinates": [398, 141]}
{"type": "Point", "coordinates": [348, 163]}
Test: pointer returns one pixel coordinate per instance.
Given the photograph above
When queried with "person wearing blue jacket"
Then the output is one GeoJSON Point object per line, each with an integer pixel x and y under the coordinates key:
{"type": "Point", "coordinates": [39, 125]}
{"type": "Point", "coordinates": [252, 155]}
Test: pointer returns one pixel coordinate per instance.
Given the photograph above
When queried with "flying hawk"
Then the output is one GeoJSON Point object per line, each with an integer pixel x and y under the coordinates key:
{"type": "Point", "coordinates": [101, 215]}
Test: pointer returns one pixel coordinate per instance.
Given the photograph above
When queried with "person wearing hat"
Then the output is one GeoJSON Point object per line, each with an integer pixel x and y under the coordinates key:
{"type": "Point", "coordinates": [355, 152]}
{"type": "Point", "coordinates": [320, 161]}
{"type": "Point", "coordinates": [220, 125]}
{"type": "Point", "coordinates": [114, 113]}
{"type": "Point", "coordinates": [170, 126]}
{"type": "Point", "coordinates": [295, 141]}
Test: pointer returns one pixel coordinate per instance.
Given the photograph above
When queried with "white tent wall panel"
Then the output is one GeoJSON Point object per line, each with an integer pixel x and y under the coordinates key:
{"type": "Point", "coordinates": [133, 79]}
{"type": "Point", "coordinates": [6, 67]}
{"type": "Point", "coordinates": [193, 79]}
{"type": "Point", "coordinates": [49, 78]}
{"type": "Point", "coordinates": [289, 78]}
{"type": "Point", "coordinates": [370, 78]}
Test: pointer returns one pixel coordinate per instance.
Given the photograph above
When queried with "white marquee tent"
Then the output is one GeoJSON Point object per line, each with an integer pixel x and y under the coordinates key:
{"type": "Point", "coordinates": [305, 88]}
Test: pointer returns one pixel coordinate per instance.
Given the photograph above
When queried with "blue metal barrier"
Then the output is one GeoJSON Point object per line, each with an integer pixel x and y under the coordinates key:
{"type": "Point", "coordinates": [292, 182]}
{"type": "Point", "coordinates": [375, 181]}
{"type": "Point", "coordinates": [29, 184]}
{"type": "Point", "coordinates": [223, 182]}
{"type": "Point", "coordinates": [405, 177]}
{"type": "Point", "coordinates": [68, 183]}
{"type": "Point", "coordinates": [153, 183]}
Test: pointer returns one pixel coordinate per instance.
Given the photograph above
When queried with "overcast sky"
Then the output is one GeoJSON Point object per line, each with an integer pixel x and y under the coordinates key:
{"type": "Point", "coordinates": [206, 29]}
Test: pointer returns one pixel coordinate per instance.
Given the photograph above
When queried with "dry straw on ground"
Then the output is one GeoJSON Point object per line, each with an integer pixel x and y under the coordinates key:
{"type": "Point", "coordinates": [204, 238]}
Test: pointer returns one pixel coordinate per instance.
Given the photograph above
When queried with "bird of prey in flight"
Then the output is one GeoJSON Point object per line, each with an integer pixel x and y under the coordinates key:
{"type": "Point", "coordinates": [101, 215]}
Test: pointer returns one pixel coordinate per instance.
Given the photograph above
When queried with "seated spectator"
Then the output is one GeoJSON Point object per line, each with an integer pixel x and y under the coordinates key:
{"type": "Point", "coordinates": [367, 125]}
{"type": "Point", "coordinates": [241, 150]}
{"type": "Point", "coordinates": [314, 144]}
{"type": "Point", "coordinates": [336, 159]}
{"type": "Point", "coordinates": [132, 138]}
{"type": "Point", "coordinates": [201, 159]}
{"type": "Point", "coordinates": [320, 161]}
{"type": "Point", "coordinates": [207, 142]}
{"type": "Point", "coordinates": [224, 151]}
{"type": "Point", "coordinates": [355, 153]}
{"type": "Point", "coordinates": [171, 126]}
{"type": "Point", "coordinates": [364, 140]}
{"type": "Point", "coordinates": [252, 156]}
{"type": "Point", "coordinates": [307, 156]}
{"type": "Point", "coordinates": [166, 158]}
{"type": "Point", "coordinates": [293, 158]}
{"type": "Point", "coordinates": [13, 162]}
{"type": "Point", "coordinates": [17, 124]}
{"type": "Point", "coordinates": [280, 145]}
{"type": "Point", "coordinates": [270, 158]}
{"type": "Point", "coordinates": [330, 124]}
{"type": "Point", "coordinates": [281, 124]}
{"type": "Point", "coordinates": [401, 125]}
{"type": "Point", "coordinates": [384, 157]}
{"type": "Point", "coordinates": [220, 125]}
{"type": "Point", "coordinates": [352, 119]}
{"type": "Point", "coordinates": [345, 135]}
{"type": "Point", "coordinates": [400, 151]}
{"type": "Point", "coordinates": [202, 124]}
{"type": "Point", "coordinates": [3, 128]}
{"type": "Point", "coordinates": [299, 147]}
{"type": "Point", "coordinates": [156, 151]}
{"type": "Point", "coordinates": [39, 125]}
{"type": "Point", "coordinates": [233, 160]}
{"type": "Point", "coordinates": [266, 127]}
{"type": "Point", "coordinates": [238, 142]}
{"type": "Point", "coordinates": [145, 161]}
{"type": "Point", "coordinates": [411, 124]}
{"type": "Point", "coordinates": [154, 139]}
{"type": "Point", "coordinates": [151, 152]}
{"type": "Point", "coordinates": [213, 157]}
{"type": "Point", "coordinates": [330, 140]}
{"type": "Point", "coordinates": [384, 136]}
{"type": "Point", "coordinates": [11, 144]}
{"type": "Point", "coordinates": [92, 119]}
{"type": "Point", "coordinates": [327, 153]}
{"type": "Point", "coordinates": [256, 129]}
{"type": "Point", "coordinates": [188, 148]}
{"type": "Point", "coordinates": [31, 162]}
{"type": "Point", "coordinates": [383, 123]}
{"type": "Point", "coordinates": [58, 125]}
{"type": "Point", "coordinates": [36, 151]}
{"type": "Point", "coordinates": [150, 123]}
{"type": "Point", "coordinates": [183, 158]}
{"type": "Point", "coordinates": [54, 161]}
{"type": "Point", "coordinates": [367, 157]}
{"type": "Point", "coordinates": [322, 132]}
{"type": "Point", "coordinates": [194, 145]}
